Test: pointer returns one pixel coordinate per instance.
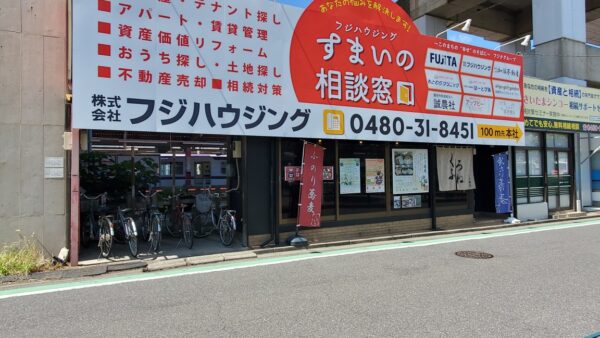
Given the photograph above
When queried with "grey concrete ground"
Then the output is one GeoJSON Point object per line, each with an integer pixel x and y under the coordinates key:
{"type": "Point", "coordinates": [544, 284]}
{"type": "Point", "coordinates": [171, 248]}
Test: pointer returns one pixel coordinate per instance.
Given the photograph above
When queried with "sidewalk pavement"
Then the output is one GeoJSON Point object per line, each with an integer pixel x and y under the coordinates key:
{"type": "Point", "coordinates": [149, 266]}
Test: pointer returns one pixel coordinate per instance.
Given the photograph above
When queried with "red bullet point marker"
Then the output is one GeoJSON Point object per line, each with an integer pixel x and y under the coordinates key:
{"type": "Point", "coordinates": [104, 72]}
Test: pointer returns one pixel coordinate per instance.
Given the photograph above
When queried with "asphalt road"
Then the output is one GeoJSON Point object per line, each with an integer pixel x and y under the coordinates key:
{"type": "Point", "coordinates": [543, 284]}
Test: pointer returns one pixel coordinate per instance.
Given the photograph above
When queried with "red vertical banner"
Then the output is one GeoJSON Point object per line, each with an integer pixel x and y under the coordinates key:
{"type": "Point", "coordinates": [311, 188]}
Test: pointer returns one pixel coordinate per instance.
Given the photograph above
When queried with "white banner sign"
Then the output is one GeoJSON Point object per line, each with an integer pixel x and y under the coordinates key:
{"type": "Point", "coordinates": [261, 68]}
{"type": "Point", "coordinates": [455, 169]}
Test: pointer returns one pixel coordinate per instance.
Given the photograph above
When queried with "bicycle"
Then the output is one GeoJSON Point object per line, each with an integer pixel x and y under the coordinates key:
{"type": "Point", "coordinates": [125, 228]}
{"type": "Point", "coordinates": [89, 230]}
{"type": "Point", "coordinates": [151, 222]}
{"type": "Point", "coordinates": [179, 222]}
{"type": "Point", "coordinates": [202, 221]}
{"type": "Point", "coordinates": [223, 220]}
{"type": "Point", "coordinates": [105, 235]}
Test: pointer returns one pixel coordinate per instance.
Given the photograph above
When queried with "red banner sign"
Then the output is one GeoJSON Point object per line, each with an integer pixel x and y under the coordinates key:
{"type": "Point", "coordinates": [311, 190]}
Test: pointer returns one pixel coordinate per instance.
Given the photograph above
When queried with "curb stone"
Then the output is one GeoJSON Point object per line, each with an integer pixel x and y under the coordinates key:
{"type": "Point", "coordinates": [181, 262]}
{"type": "Point", "coordinates": [84, 272]}
{"type": "Point", "coordinates": [204, 259]}
{"type": "Point", "coordinates": [12, 278]}
{"type": "Point", "coordinates": [163, 265]}
{"type": "Point", "coordinates": [239, 255]}
{"type": "Point", "coordinates": [138, 264]}
{"type": "Point", "coordinates": [68, 273]}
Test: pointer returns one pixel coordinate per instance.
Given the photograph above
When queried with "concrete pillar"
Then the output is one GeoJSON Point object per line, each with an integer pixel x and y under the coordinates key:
{"type": "Point", "coordinates": [430, 25]}
{"type": "Point", "coordinates": [559, 31]}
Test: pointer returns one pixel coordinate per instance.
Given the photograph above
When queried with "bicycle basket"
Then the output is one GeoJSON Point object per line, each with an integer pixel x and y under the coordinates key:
{"type": "Point", "coordinates": [203, 203]}
{"type": "Point", "coordinates": [188, 201]}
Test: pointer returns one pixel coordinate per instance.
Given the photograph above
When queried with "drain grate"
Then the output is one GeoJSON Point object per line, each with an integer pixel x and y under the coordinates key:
{"type": "Point", "coordinates": [474, 254]}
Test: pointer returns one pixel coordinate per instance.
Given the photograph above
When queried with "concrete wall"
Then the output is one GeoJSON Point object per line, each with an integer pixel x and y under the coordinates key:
{"type": "Point", "coordinates": [32, 119]}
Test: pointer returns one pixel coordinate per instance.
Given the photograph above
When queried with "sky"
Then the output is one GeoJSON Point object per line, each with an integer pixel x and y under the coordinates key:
{"type": "Point", "coordinates": [471, 39]}
{"type": "Point", "coordinates": [452, 35]}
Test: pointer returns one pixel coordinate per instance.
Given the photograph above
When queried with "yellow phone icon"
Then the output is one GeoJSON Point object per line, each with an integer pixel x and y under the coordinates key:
{"type": "Point", "coordinates": [333, 122]}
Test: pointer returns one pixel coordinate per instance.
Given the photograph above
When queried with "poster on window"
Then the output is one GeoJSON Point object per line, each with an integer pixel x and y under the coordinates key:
{"type": "Point", "coordinates": [455, 169]}
{"type": "Point", "coordinates": [397, 202]}
{"type": "Point", "coordinates": [350, 176]}
{"type": "Point", "coordinates": [374, 175]}
{"type": "Point", "coordinates": [411, 201]}
{"type": "Point", "coordinates": [410, 172]}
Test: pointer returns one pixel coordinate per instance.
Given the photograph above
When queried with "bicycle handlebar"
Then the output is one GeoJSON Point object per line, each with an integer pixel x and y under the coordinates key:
{"type": "Point", "coordinates": [93, 198]}
{"type": "Point", "coordinates": [150, 195]}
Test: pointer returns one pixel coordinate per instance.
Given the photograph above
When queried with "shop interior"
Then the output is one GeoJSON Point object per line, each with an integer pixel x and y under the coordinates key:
{"type": "Point", "coordinates": [141, 176]}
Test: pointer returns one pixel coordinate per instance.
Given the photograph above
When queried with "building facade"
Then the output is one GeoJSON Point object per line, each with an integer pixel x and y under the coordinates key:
{"type": "Point", "coordinates": [552, 170]}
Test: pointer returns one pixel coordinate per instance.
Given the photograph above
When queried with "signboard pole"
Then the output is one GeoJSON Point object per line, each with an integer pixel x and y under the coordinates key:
{"type": "Point", "coordinates": [512, 219]}
{"type": "Point", "coordinates": [433, 186]}
{"type": "Point", "coordinates": [74, 233]}
{"type": "Point", "coordinates": [297, 240]}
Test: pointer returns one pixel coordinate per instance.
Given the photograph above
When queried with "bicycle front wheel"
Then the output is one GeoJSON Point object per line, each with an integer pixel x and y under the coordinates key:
{"type": "Point", "coordinates": [155, 235]}
{"type": "Point", "coordinates": [188, 234]}
{"type": "Point", "coordinates": [227, 230]}
{"type": "Point", "coordinates": [169, 223]}
{"type": "Point", "coordinates": [132, 239]}
{"type": "Point", "coordinates": [105, 236]}
{"type": "Point", "coordinates": [144, 225]}
{"type": "Point", "coordinates": [202, 225]}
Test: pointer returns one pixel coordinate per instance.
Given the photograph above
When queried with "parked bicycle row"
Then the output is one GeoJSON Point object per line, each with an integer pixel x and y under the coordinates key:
{"type": "Point", "coordinates": [181, 215]}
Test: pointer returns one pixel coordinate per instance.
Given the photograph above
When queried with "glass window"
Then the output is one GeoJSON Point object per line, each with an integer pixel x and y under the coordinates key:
{"type": "Point", "coordinates": [291, 156]}
{"type": "Point", "coordinates": [202, 169]}
{"type": "Point", "coordinates": [551, 169]}
{"type": "Point", "coordinates": [445, 198]}
{"type": "Point", "coordinates": [179, 168]}
{"type": "Point", "coordinates": [563, 163]}
{"type": "Point", "coordinates": [535, 162]}
{"type": "Point", "coordinates": [533, 139]}
{"type": "Point", "coordinates": [557, 140]}
{"type": "Point", "coordinates": [352, 168]}
{"type": "Point", "coordinates": [165, 169]}
{"type": "Point", "coordinates": [521, 163]}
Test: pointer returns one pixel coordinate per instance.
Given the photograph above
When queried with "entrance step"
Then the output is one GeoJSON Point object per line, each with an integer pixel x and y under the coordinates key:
{"type": "Point", "coordinates": [568, 214]}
